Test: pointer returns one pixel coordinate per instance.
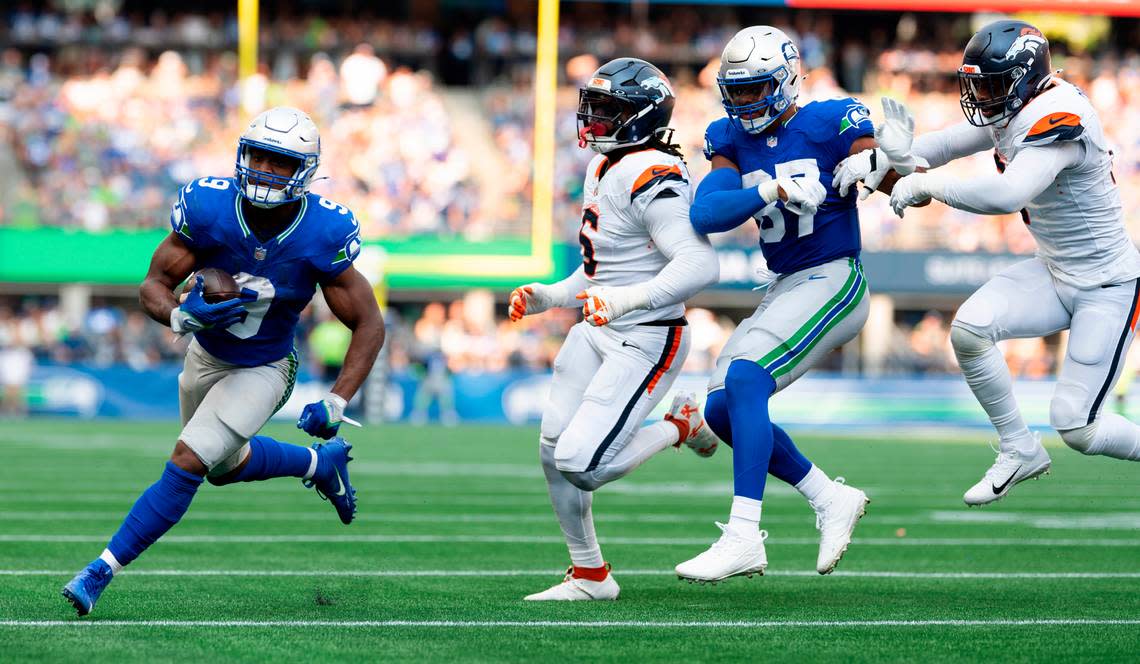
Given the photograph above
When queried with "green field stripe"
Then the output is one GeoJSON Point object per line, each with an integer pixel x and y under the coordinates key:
{"type": "Point", "coordinates": [542, 624]}
{"type": "Point", "coordinates": [557, 539]}
{"type": "Point", "coordinates": [478, 573]}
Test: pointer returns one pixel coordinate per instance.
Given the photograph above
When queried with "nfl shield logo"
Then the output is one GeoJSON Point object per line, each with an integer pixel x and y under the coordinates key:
{"type": "Point", "coordinates": [259, 254]}
{"type": "Point", "coordinates": [772, 140]}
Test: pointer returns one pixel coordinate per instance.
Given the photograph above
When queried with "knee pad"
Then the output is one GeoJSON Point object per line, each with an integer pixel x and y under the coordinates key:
{"type": "Point", "coordinates": [967, 342]}
{"type": "Point", "coordinates": [746, 376]}
{"type": "Point", "coordinates": [546, 453]}
{"type": "Point", "coordinates": [1069, 409]}
{"type": "Point", "coordinates": [716, 415]}
{"type": "Point", "coordinates": [574, 450]}
{"type": "Point", "coordinates": [1081, 439]}
{"type": "Point", "coordinates": [582, 480]}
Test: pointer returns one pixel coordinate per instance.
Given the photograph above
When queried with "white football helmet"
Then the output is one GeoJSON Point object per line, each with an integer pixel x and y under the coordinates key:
{"type": "Point", "coordinates": [283, 130]}
{"type": "Point", "coordinates": [759, 77]}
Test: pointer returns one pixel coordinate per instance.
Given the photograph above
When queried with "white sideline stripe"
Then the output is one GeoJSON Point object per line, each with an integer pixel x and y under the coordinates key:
{"type": "Point", "coordinates": [557, 572]}
{"type": "Point", "coordinates": [553, 539]}
{"type": "Point", "coordinates": [1052, 622]}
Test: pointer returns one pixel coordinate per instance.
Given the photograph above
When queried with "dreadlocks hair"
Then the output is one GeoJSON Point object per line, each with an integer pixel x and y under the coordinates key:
{"type": "Point", "coordinates": [663, 140]}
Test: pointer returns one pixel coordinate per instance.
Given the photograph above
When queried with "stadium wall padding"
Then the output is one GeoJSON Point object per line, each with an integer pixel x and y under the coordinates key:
{"type": "Point", "coordinates": [517, 397]}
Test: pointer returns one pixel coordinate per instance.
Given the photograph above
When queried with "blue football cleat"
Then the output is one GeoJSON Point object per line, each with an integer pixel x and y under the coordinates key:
{"type": "Point", "coordinates": [331, 478]}
{"type": "Point", "coordinates": [84, 590]}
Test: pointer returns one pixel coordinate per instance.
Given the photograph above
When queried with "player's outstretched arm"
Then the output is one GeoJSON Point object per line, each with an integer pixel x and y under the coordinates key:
{"type": "Point", "coordinates": [171, 263]}
{"type": "Point", "coordinates": [535, 298]}
{"type": "Point", "coordinates": [352, 301]}
{"type": "Point", "coordinates": [692, 266]}
{"type": "Point", "coordinates": [1031, 172]}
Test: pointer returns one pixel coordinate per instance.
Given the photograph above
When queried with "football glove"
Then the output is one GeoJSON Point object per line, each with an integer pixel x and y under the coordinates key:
{"type": "Point", "coordinates": [870, 166]}
{"type": "Point", "coordinates": [604, 304]}
{"type": "Point", "coordinates": [195, 313]}
{"type": "Point", "coordinates": [804, 195]}
{"type": "Point", "coordinates": [322, 418]}
{"type": "Point", "coordinates": [909, 191]}
{"type": "Point", "coordinates": [534, 298]}
{"type": "Point", "coordinates": [895, 136]}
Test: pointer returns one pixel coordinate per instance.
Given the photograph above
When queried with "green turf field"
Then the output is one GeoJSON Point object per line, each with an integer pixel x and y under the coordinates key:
{"type": "Point", "coordinates": [455, 527]}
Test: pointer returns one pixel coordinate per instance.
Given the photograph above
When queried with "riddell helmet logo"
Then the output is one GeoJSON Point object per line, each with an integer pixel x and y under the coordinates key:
{"type": "Point", "coordinates": [1027, 42]}
{"type": "Point", "coordinates": [970, 69]}
{"type": "Point", "coordinates": [600, 83]}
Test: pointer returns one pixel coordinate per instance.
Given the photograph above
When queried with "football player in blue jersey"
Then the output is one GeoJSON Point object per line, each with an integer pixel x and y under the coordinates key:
{"type": "Point", "coordinates": [280, 243]}
{"type": "Point", "coordinates": [772, 161]}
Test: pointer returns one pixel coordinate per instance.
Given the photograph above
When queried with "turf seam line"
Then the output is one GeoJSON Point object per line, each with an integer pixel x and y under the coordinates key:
{"type": "Point", "coordinates": [855, 574]}
{"type": "Point", "coordinates": [554, 539]}
{"type": "Point", "coordinates": [935, 622]}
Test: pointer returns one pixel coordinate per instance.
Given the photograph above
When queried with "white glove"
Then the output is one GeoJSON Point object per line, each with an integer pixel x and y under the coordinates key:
{"type": "Point", "coordinates": [605, 304]}
{"type": "Point", "coordinates": [895, 136]}
{"type": "Point", "coordinates": [909, 191]}
{"type": "Point", "coordinates": [804, 195]}
{"type": "Point", "coordinates": [870, 166]}
{"type": "Point", "coordinates": [534, 298]}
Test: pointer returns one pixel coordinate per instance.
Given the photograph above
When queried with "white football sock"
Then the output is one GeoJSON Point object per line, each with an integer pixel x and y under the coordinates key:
{"type": "Point", "coordinates": [312, 465]}
{"type": "Point", "coordinates": [647, 442]}
{"type": "Point", "coordinates": [573, 508]}
{"type": "Point", "coordinates": [110, 559]}
{"type": "Point", "coordinates": [987, 375]}
{"type": "Point", "coordinates": [744, 517]}
{"type": "Point", "coordinates": [817, 487]}
{"type": "Point", "coordinates": [1116, 437]}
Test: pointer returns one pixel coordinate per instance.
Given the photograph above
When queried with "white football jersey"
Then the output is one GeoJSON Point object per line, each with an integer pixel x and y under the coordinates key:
{"type": "Point", "coordinates": [617, 249]}
{"type": "Point", "coordinates": [1078, 221]}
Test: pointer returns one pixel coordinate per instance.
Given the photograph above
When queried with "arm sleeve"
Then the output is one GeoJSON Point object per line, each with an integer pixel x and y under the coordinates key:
{"type": "Point", "coordinates": [954, 142]}
{"type": "Point", "coordinates": [565, 290]}
{"type": "Point", "coordinates": [1029, 174]}
{"type": "Point", "coordinates": [693, 264]}
{"type": "Point", "coordinates": [721, 204]}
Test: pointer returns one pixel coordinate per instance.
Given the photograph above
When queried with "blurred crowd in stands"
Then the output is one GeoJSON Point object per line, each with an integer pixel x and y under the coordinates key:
{"type": "Point", "coordinates": [467, 334]}
{"type": "Point", "coordinates": [104, 124]}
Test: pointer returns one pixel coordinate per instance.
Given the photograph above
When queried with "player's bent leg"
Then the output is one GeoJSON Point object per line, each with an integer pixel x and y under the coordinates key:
{"type": "Point", "coordinates": [154, 513]}
{"type": "Point", "coordinates": [588, 577]}
{"type": "Point", "coordinates": [1110, 435]}
{"type": "Point", "coordinates": [1102, 331]}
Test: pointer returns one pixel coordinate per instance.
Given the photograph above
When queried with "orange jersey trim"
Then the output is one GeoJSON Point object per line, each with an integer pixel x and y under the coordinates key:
{"type": "Point", "coordinates": [655, 172]}
{"type": "Point", "coordinates": [1052, 121]}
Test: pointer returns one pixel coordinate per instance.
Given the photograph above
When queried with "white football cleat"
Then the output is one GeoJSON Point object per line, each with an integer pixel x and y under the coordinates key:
{"type": "Point", "coordinates": [835, 522]}
{"type": "Point", "coordinates": [731, 555]}
{"type": "Point", "coordinates": [1009, 469]}
{"type": "Point", "coordinates": [573, 588]}
{"type": "Point", "coordinates": [686, 414]}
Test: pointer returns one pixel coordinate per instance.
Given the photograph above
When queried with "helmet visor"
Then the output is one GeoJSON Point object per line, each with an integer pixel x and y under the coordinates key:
{"type": "Point", "coordinates": [986, 96]}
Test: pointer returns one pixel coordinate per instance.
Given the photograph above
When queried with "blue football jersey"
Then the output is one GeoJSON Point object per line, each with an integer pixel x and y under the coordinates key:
{"type": "Point", "coordinates": [811, 144]}
{"type": "Point", "coordinates": [284, 271]}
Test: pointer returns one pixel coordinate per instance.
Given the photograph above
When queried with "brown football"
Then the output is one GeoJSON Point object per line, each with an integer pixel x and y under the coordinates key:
{"type": "Point", "coordinates": [217, 285]}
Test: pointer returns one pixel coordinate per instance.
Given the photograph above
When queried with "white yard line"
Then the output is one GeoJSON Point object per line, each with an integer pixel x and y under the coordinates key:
{"type": "Point", "coordinates": [557, 572]}
{"type": "Point", "coordinates": [91, 624]}
{"type": "Point", "coordinates": [554, 539]}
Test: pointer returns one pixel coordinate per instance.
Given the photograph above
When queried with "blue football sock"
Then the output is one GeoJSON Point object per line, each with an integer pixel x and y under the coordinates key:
{"type": "Point", "coordinates": [716, 415]}
{"type": "Point", "coordinates": [748, 387]}
{"type": "Point", "coordinates": [155, 512]}
{"type": "Point", "coordinates": [269, 458]}
{"type": "Point", "coordinates": [787, 463]}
